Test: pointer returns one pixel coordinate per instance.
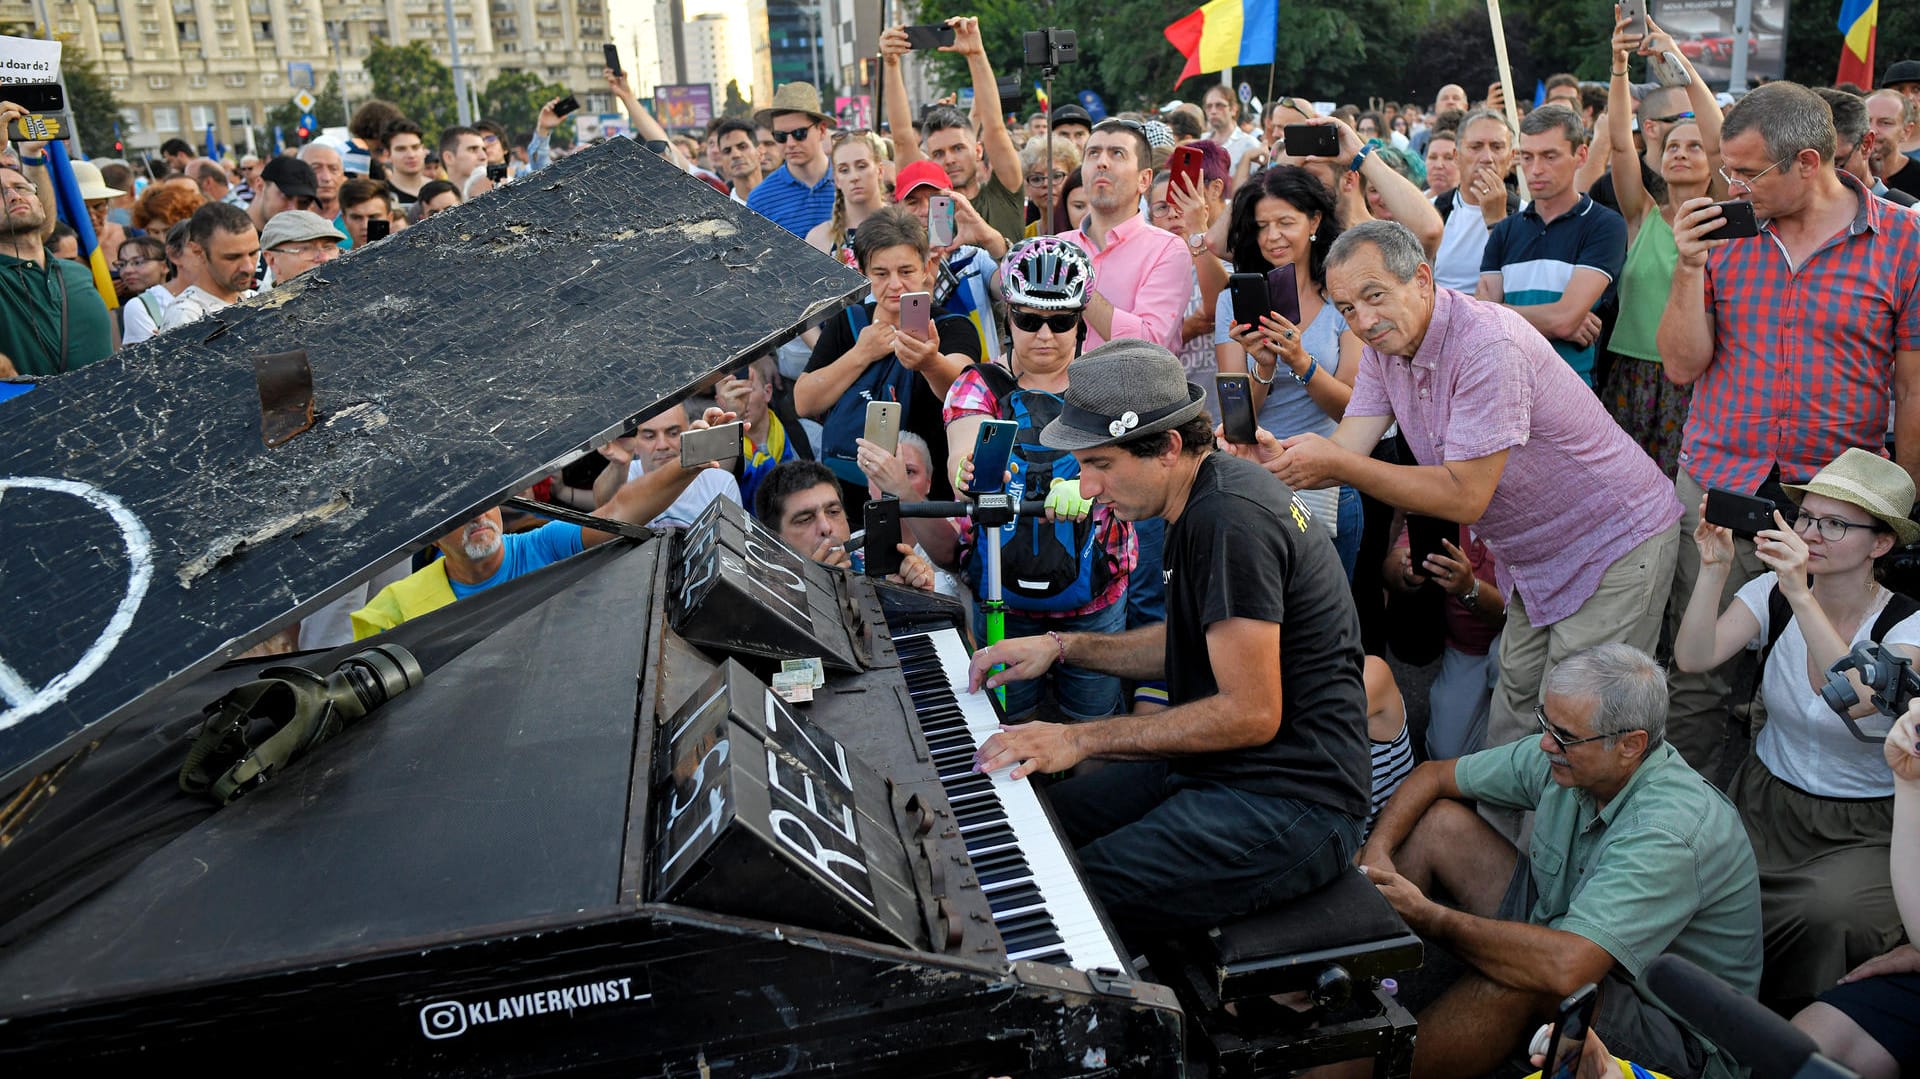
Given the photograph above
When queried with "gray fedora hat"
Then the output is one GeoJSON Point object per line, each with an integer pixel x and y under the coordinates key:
{"type": "Point", "coordinates": [1123, 390]}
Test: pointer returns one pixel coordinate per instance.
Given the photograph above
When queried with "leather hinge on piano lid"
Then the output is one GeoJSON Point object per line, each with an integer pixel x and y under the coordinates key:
{"type": "Point", "coordinates": [1111, 982]}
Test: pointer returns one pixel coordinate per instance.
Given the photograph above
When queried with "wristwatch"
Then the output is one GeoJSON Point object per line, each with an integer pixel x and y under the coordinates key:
{"type": "Point", "coordinates": [1197, 242]}
{"type": "Point", "coordinates": [1471, 601]}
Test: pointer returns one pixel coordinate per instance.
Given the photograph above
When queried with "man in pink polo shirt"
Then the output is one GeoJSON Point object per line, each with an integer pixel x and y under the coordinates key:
{"type": "Point", "coordinates": [1145, 274]}
{"type": "Point", "coordinates": [1507, 439]}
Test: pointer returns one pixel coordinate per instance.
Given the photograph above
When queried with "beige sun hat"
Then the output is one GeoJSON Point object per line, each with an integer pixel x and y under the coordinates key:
{"type": "Point", "coordinates": [1869, 481]}
{"type": "Point", "coordinates": [794, 97]}
{"type": "Point", "coordinates": [92, 186]}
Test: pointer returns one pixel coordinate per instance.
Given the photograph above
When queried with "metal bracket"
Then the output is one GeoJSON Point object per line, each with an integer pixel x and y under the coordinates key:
{"type": "Point", "coordinates": [285, 382]}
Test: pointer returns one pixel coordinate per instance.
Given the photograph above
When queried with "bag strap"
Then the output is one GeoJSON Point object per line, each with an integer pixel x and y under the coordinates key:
{"type": "Point", "coordinates": [1001, 383]}
{"type": "Point", "coordinates": [1899, 608]}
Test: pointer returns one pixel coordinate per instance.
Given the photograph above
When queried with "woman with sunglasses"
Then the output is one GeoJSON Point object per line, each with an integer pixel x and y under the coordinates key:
{"type": "Point", "coordinates": [1816, 795]}
{"type": "Point", "coordinates": [1643, 401]}
{"type": "Point", "coordinates": [859, 189]}
{"type": "Point", "coordinates": [1047, 283]}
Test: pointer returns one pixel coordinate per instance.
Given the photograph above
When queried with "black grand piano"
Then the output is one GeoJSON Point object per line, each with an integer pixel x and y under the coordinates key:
{"type": "Point", "coordinates": [576, 830]}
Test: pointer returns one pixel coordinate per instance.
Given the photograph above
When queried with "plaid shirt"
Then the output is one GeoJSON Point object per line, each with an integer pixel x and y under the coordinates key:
{"type": "Point", "coordinates": [1802, 362]}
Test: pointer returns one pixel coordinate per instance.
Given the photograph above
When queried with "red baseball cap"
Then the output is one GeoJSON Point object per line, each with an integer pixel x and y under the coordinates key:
{"type": "Point", "coordinates": [920, 173]}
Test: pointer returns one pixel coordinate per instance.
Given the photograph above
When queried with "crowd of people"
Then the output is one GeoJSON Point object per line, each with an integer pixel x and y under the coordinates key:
{"type": "Point", "coordinates": [1530, 341]}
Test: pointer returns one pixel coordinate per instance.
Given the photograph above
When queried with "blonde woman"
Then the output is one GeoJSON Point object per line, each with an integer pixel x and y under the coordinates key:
{"type": "Point", "coordinates": [1043, 184]}
{"type": "Point", "coordinates": [859, 188]}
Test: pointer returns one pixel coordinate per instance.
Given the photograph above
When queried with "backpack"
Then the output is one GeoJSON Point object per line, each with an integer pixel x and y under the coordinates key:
{"type": "Point", "coordinates": [884, 380]}
{"type": "Point", "coordinates": [1779, 612]}
{"type": "Point", "coordinates": [1051, 567]}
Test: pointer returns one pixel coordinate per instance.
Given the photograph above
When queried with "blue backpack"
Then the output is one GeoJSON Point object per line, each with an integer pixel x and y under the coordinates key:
{"type": "Point", "coordinates": [885, 380]}
{"type": "Point", "coordinates": [1044, 567]}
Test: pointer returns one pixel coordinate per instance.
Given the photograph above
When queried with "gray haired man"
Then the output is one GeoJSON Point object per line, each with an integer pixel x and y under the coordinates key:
{"type": "Point", "coordinates": [1633, 855]}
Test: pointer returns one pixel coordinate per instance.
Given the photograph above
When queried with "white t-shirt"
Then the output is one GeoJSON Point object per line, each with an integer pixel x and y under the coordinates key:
{"type": "Point", "coordinates": [1804, 742]}
{"type": "Point", "coordinates": [192, 304]}
{"type": "Point", "coordinates": [138, 323]}
{"type": "Point", "coordinates": [1457, 264]}
{"type": "Point", "coordinates": [1237, 146]}
{"type": "Point", "coordinates": [710, 484]}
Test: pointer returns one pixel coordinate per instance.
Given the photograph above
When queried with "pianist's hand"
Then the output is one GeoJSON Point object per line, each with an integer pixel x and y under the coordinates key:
{"type": "Point", "coordinates": [1030, 748]}
{"type": "Point", "coordinates": [1025, 658]}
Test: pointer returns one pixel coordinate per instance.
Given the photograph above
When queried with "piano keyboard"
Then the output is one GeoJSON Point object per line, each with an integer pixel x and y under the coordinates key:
{"type": "Point", "coordinates": [1040, 905]}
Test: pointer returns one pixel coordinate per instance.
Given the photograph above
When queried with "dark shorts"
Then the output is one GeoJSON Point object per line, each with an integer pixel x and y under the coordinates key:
{"type": "Point", "coordinates": [1888, 1009]}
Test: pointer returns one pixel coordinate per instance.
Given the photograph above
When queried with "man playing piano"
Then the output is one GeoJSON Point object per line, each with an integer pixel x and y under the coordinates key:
{"type": "Point", "coordinates": [1251, 788]}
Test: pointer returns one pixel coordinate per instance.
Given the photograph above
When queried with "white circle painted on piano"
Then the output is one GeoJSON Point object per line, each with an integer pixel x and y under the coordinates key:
{"type": "Point", "coordinates": [24, 700]}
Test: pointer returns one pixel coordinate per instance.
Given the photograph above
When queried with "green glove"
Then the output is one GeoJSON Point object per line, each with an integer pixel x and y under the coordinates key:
{"type": "Point", "coordinates": [1063, 498]}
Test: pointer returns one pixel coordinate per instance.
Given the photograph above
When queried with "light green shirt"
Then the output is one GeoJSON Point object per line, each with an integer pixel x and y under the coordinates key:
{"type": "Point", "coordinates": [1644, 281]}
{"type": "Point", "coordinates": [1665, 867]}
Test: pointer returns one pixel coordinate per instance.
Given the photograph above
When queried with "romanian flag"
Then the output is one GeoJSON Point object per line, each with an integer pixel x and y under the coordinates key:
{"type": "Point", "coordinates": [1040, 93]}
{"type": "Point", "coordinates": [1224, 34]}
{"type": "Point", "coordinates": [72, 210]}
{"type": "Point", "coordinates": [1859, 22]}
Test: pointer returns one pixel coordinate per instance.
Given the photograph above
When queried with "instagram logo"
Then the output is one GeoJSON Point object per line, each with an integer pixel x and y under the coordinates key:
{"type": "Point", "coordinates": [443, 1019]}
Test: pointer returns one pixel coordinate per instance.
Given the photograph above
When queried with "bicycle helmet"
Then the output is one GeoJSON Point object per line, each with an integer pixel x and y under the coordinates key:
{"type": "Point", "coordinates": [1047, 273]}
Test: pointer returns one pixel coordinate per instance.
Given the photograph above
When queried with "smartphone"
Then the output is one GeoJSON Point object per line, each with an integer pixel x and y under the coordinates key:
{"type": "Point", "coordinates": [916, 314]}
{"type": "Point", "coordinates": [1283, 295]}
{"type": "Point", "coordinates": [882, 538]}
{"type": "Point", "coordinates": [1250, 301]}
{"type": "Point", "coordinates": [1184, 161]}
{"type": "Point", "coordinates": [658, 146]}
{"type": "Point", "coordinates": [1424, 537]}
{"type": "Point", "coordinates": [940, 222]}
{"type": "Point", "coordinates": [566, 105]}
{"type": "Point", "coordinates": [1236, 407]}
{"type": "Point", "coordinates": [1310, 140]}
{"type": "Point", "coordinates": [612, 53]}
{"type": "Point", "coordinates": [929, 37]}
{"type": "Point", "coordinates": [378, 228]}
{"type": "Point", "coordinates": [992, 452]}
{"type": "Point", "coordinates": [1635, 12]}
{"type": "Point", "coordinates": [38, 96]}
{"type": "Point", "coordinates": [497, 171]}
{"type": "Point", "coordinates": [883, 425]}
{"type": "Point", "coordinates": [1739, 219]}
{"type": "Point", "coordinates": [46, 117]}
{"type": "Point", "coordinates": [1743, 514]}
{"type": "Point", "coordinates": [702, 445]}
{"type": "Point", "coordinates": [1569, 1037]}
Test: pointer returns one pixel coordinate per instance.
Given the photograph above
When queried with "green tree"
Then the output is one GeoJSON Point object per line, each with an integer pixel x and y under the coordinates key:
{"type": "Point", "coordinates": [418, 85]}
{"type": "Point", "coordinates": [1813, 40]}
{"type": "Point", "coordinates": [328, 108]}
{"type": "Point", "coordinates": [737, 107]}
{"type": "Point", "coordinates": [514, 100]}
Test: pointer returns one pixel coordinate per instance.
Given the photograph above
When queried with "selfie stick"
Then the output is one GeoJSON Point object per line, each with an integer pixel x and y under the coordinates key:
{"type": "Point", "coordinates": [1506, 77]}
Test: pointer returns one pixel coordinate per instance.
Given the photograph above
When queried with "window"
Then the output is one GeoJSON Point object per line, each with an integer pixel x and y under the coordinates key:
{"type": "Point", "coordinates": [118, 82]}
{"type": "Point", "coordinates": [226, 26]}
{"type": "Point", "coordinates": [166, 118]}
{"type": "Point", "coordinates": [109, 34]}
{"type": "Point", "coordinates": [269, 80]}
{"type": "Point", "coordinates": [239, 115]}
{"type": "Point", "coordinates": [298, 26]}
{"type": "Point", "coordinates": [69, 26]}
{"type": "Point", "coordinates": [158, 82]}
{"type": "Point", "coordinates": [263, 31]}
{"type": "Point", "coordinates": [129, 121]}
{"type": "Point", "coordinates": [107, 7]}
{"type": "Point", "coordinates": [236, 80]}
{"type": "Point", "coordinates": [508, 46]}
{"type": "Point", "coordinates": [188, 31]}
{"type": "Point", "coordinates": [227, 53]}
{"type": "Point", "coordinates": [202, 116]}
{"type": "Point", "coordinates": [196, 81]}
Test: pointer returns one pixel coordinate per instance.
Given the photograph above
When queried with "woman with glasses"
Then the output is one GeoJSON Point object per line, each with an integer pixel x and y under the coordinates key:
{"type": "Point", "coordinates": [140, 269]}
{"type": "Point", "coordinates": [1044, 184]}
{"type": "Point", "coordinates": [1816, 794]}
{"type": "Point", "coordinates": [1188, 212]}
{"type": "Point", "coordinates": [1047, 283]}
{"type": "Point", "coordinates": [1637, 392]}
{"type": "Point", "coordinates": [859, 189]}
{"type": "Point", "coordinates": [141, 320]}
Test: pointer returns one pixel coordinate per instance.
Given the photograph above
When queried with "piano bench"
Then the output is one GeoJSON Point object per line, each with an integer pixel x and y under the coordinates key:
{"type": "Point", "coordinates": [1295, 947]}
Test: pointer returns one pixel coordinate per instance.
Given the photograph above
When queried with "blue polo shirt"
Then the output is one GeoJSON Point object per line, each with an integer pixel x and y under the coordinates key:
{"type": "Point", "coordinates": [1536, 260]}
{"type": "Point", "coordinates": [782, 199]}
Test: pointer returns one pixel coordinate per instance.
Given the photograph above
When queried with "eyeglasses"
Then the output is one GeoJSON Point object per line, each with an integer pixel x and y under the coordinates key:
{"type": "Point", "coordinates": [1560, 737]}
{"type": "Point", "coordinates": [1674, 119]}
{"type": "Point", "coordinates": [1028, 322]}
{"type": "Point", "coordinates": [798, 133]}
{"type": "Point", "coordinates": [1832, 529]}
{"type": "Point", "coordinates": [490, 140]}
{"type": "Point", "coordinates": [306, 250]}
{"type": "Point", "coordinates": [1747, 181]}
{"type": "Point", "coordinates": [1038, 178]}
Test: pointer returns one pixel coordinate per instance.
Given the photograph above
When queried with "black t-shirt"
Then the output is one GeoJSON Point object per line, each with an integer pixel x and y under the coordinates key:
{"type": "Point", "coordinates": [1907, 179]}
{"type": "Point", "coordinates": [922, 412]}
{"type": "Point", "coordinates": [1243, 548]}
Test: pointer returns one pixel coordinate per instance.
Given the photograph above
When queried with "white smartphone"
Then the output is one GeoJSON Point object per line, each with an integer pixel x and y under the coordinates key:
{"type": "Point", "coordinates": [940, 221]}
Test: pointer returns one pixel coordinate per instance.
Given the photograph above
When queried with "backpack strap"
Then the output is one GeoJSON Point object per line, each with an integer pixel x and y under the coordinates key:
{"type": "Point", "coordinates": [1779, 613]}
{"type": "Point", "coordinates": [1898, 609]}
{"type": "Point", "coordinates": [1001, 383]}
{"type": "Point", "coordinates": [858, 319]}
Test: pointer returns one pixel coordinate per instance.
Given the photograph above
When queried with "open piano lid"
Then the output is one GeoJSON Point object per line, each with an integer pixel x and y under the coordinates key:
{"type": "Point", "coordinates": [148, 533]}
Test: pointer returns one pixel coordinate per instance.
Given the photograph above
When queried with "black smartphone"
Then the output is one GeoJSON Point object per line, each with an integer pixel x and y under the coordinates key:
{"type": "Point", "coordinates": [1311, 140]}
{"type": "Point", "coordinates": [1424, 536]}
{"type": "Point", "coordinates": [378, 228]}
{"type": "Point", "coordinates": [566, 105]}
{"type": "Point", "coordinates": [929, 38]}
{"type": "Point", "coordinates": [1283, 294]}
{"type": "Point", "coordinates": [497, 171]}
{"type": "Point", "coordinates": [1743, 514]}
{"type": "Point", "coordinates": [37, 96]}
{"type": "Point", "coordinates": [612, 53]}
{"type": "Point", "coordinates": [1569, 1036]}
{"type": "Point", "coordinates": [658, 146]}
{"type": "Point", "coordinates": [1250, 300]}
{"type": "Point", "coordinates": [1236, 407]}
{"type": "Point", "coordinates": [1739, 221]}
{"type": "Point", "coordinates": [882, 527]}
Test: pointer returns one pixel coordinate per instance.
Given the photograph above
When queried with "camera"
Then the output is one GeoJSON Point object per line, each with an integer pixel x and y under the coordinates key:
{"type": "Point", "coordinates": [1051, 48]}
{"type": "Point", "coordinates": [1888, 676]}
{"type": "Point", "coordinates": [497, 172]}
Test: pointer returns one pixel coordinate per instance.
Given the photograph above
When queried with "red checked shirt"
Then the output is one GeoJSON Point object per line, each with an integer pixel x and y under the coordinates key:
{"type": "Point", "coordinates": [1802, 362]}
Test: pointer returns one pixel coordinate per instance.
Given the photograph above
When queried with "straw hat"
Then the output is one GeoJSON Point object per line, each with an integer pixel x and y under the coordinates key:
{"type": "Point", "coordinates": [1869, 481]}
{"type": "Point", "coordinates": [92, 186]}
{"type": "Point", "coordinates": [794, 97]}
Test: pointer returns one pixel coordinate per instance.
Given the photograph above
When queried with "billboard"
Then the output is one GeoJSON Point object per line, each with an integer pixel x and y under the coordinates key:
{"type": "Point", "coordinates": [1703, 29]}
{"type": "Point", "coordinates": [854, 112]}
{"type": "Point", "coordinates": [683, 107]}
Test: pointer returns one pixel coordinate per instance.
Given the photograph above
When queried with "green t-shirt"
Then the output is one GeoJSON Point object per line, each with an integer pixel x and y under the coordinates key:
{"type": "Point", "coordinates": [1004, 210]}
{"type": "Point", "coordinates": [33, 296]}
{"type": "Point", "coordinates": [1644, 282]}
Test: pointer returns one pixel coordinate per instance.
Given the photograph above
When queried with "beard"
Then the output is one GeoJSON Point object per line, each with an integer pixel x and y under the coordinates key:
{"type": "Point", "coordinates": [480, 542]}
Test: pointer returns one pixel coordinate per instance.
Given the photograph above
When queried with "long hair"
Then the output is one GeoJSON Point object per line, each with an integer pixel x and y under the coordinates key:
{"type": "Point", "coordinates": [837, 226]}
{"type": "Point", "coordinates": [1300, 189]}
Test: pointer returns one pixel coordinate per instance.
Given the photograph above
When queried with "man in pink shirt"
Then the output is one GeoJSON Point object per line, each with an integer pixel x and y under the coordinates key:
{"type": "Point", "coordinates": [1507, 439]}
{"type": "Point", "coordinates": [1144, 273]}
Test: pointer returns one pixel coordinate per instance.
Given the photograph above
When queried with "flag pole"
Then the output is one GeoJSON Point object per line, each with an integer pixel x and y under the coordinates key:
{"type": "Point", "coordinates": [1506, 77]}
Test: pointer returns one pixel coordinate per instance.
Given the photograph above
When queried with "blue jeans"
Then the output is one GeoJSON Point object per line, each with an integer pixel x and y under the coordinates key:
{"type": "Point", "coordinates": [1351, 521]}
{"type": "Point", "coordinates": [1165, 851]}
{"type": "Point", "coordinates": [1080, 693]}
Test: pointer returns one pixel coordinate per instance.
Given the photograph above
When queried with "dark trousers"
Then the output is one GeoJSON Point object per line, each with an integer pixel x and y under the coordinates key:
{"type": "Point", "coordinates": [1166, 852]}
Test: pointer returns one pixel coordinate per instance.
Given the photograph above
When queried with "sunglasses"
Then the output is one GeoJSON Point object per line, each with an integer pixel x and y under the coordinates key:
{"type": "Point", "coordinates": [799, 133]}
{"type": "Point", "coordinates": [1562, 738]}
{"type": "Point", "coordinates": [1028, 322]}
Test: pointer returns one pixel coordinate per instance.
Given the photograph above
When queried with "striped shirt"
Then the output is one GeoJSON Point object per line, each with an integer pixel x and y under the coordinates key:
{"type": "Point", "coordinates": [782, 199]}
{"type": "Point", "coordinates": [1392, 764]}
{"type": "Point", "coordinates": [1535, 260]}
{"type": "Point", "coordinates": [1802, 364]}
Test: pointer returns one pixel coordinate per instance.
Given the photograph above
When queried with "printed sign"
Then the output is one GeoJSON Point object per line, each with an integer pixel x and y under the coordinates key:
{"type": "Point", "coordinates": [26, 59]}
{"type": "Point", "coordinates": [683, 107]}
